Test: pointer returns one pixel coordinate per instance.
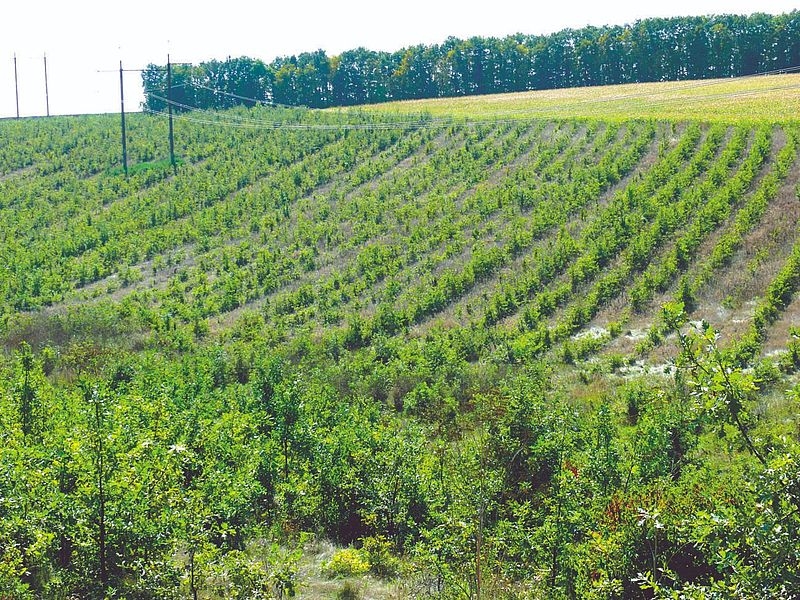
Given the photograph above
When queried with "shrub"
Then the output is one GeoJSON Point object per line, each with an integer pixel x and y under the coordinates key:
{"type": "Point", "coordinates": [379, 554]}
{"type": "Point", "coordinates": [345, 563]}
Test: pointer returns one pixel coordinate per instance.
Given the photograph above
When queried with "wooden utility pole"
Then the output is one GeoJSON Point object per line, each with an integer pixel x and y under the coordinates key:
{"type": "Point", "coordinates": [172, 160]}
{"type": "Point", "coordinates": [122, 116]}
{"type": "Point", "coordinates": [46, 90]}
{"type": "Point", "coordinates": [169, 109]}
{"type": "Point", "coordinates": [16, 84]}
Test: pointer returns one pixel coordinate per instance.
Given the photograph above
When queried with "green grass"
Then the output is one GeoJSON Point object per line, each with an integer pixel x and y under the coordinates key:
{"type": "Point", "coordinates": [772, 98]}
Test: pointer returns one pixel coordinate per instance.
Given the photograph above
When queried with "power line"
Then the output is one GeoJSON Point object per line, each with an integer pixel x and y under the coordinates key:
{"type": "Point", "coordinates": [531, 111]}
{"type": "Point", "coordinates": [237, 96]}
{"type": "Point", "coordinates": [693, 84]}
{"type": "Point", "coordinates": [161, 90]}
{"type": "Point", "coordinates": [235, 122]}
{"type": "Point", "coordinates": [230, 118]}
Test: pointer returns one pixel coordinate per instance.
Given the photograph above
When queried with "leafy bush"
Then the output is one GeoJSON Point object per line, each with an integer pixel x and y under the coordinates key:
{"type": "Point", "coordinates": [346, 562]}
{"type": "Point", "coordinates": [379, 555]}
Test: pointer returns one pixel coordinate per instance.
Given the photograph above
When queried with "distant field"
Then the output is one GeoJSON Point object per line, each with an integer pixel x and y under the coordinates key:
{"type": "Point", "coordinates": [746, 99]}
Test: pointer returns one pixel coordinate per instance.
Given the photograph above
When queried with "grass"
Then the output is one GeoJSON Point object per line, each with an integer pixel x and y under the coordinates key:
{"type": "Point", "coordinates": [316, 584]}
{"type": "Point", "coordinates": [755, 99]}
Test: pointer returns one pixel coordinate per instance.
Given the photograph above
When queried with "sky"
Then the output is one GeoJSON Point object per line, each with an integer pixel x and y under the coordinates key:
{"type": "Point", "coordinates": [85, 40]}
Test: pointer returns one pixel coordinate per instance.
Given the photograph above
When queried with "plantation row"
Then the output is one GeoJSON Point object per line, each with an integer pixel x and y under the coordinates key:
{"type": "Point", "coordinates": [511, 228]}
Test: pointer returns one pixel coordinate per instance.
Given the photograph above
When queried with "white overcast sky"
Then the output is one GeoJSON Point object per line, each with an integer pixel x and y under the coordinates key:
{"type": "Point", "coordinates": [81, 37]}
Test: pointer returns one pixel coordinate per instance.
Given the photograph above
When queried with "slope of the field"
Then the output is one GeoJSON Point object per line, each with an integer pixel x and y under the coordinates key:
{"type": "Point", "coordinates": [526, 231]}
{"type": "Point", "coordinates": [420, 334]}
{"type": "Point", "coordinates": [751, 99]}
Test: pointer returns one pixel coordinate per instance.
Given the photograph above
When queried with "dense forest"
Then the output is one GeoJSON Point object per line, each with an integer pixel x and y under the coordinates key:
{"type": "Point", "coordinates": [649, 50]}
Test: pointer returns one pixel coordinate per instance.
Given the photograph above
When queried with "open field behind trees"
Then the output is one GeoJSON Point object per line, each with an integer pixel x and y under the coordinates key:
{"type": "Point", "coordinates": [749, 99]}
{"type": "Point", "coordinates": [418, 350]}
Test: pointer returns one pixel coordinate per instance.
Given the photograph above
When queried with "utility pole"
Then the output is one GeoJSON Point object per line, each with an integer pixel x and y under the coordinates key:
{"type": "Point", "coordinates": [172, 160]}
{"type": "Point", "coordinates": [122, 115]}
{"type": "Point", "coordinates": [169, 109]}
{"type": "Point", "coordinates": [46, 90]}
{"type": "Point", "coordinates": [16, 84]}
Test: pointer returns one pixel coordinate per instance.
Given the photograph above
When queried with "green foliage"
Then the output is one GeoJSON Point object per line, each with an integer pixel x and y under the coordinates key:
{"type": "Point", "coordinates": [746, 540]}
{"type": "Point", "coordinates": [346, 563]}
{"type": "Point", "coordinates": [382, 562]}
{"type": "Point", "coordinates": [720, 46]}
{"type": "Point", "coordinates": [369, 335]}
{"type": "Point", "coordinates": [722, 391]}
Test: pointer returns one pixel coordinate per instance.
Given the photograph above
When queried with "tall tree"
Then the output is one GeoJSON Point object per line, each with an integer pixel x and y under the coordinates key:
{"type": "Point", "coordinates": [647, 50]}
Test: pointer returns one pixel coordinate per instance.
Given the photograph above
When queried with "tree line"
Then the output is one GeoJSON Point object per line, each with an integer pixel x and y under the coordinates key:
{"type": "Point", "coordinates": [657, 49]}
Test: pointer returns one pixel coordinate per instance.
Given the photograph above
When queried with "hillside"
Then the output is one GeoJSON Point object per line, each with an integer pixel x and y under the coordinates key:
{"type": "Point", "coordinates": [432, 331]}
{"type": "Point", "coordinates": [751, 99]}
